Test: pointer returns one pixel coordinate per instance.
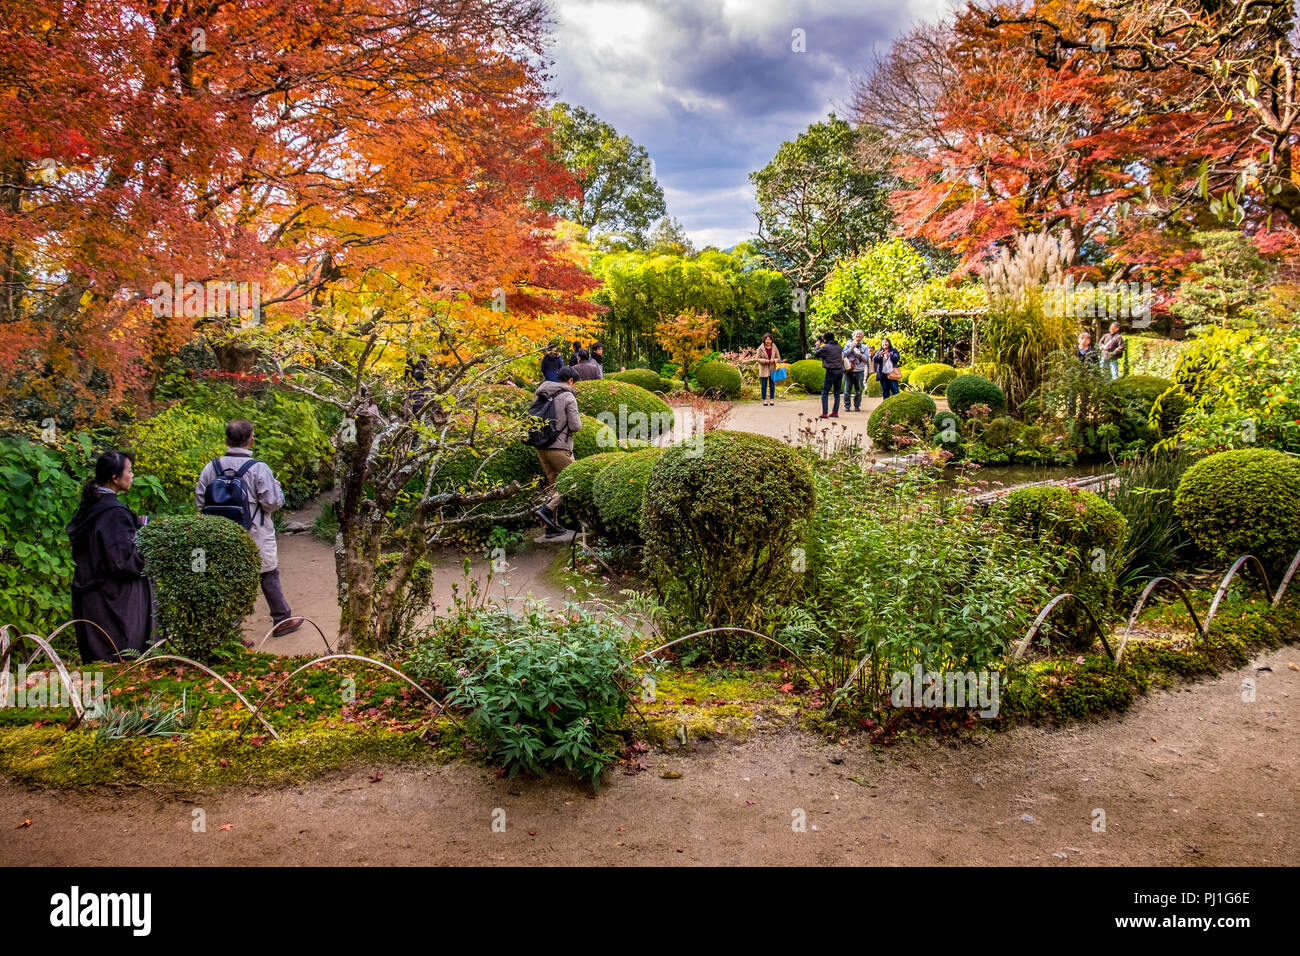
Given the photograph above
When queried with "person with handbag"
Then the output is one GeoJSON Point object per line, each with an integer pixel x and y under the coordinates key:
{"type": "Point", "coordinates": [857, 354]}
{"type": "Point", "coordinates": [885, 362]}
{"type": "Point", "coordinates": [832, 358]}
{"type": "Point", "coordinates": [769, 357]}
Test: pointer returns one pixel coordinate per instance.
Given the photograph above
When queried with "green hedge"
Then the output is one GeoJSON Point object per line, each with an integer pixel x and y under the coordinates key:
{"type": "Point", "coordinates": [207, 574]}
{"type": "Point", "coordinates": [623, 403]}
{"type": "Point", "coordinates": [911, 409]}
{"type": "Point", "coordinates": [619, 493]}
{"type": "Point", "coordinates": [1245, 501]}
{"type": "Point", "coordinates": [643, 377]}
{"type": "Point", "coordinates": [721, 521]}
{"type": "Point", "coordinates": [932, 378]}
{"type": "Point", "coordinates": [965, 391]}
{"type": "Point", "coordinates": [718, 379]}
{"type": "Point", "coordinates": [574, 484]}
{"type": "Point", "coordinates": [809, 374]}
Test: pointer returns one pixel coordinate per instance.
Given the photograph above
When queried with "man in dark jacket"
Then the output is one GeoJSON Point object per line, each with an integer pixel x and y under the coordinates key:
{"type": "Point", "coordinates": [558, 455]}
{"type": "Point", "coordinates": [832, 357]}
{"type": "Point", "coordinates": [587, 369]}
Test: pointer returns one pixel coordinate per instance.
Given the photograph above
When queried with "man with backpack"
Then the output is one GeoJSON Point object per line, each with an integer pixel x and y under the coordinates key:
{"type": "Point", "coordinates": [238, 486]}
{"type": "Point", "coordinates": [556, 411]}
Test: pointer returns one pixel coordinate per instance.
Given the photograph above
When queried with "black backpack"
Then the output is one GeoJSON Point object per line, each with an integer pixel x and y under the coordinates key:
{"type": "Point", "coordinates": [226, 496]}
{"type": "Point", "coordinates": [548, 429]}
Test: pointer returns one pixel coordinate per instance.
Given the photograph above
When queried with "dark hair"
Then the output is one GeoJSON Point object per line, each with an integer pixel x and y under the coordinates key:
{"type": "Point", "coordinates": [597, 346]}
{"type": "Point", "coordinates": [566, 374]}
{"type": "Point", "coordinates": [576, 345]}
{"type": "Point", "coordinates": [107, 467]}
{"type": "Point", "coordinates": [828, 337]}
{"type": "Point", "coordinates": [583, 355]}
{"type": "Point", "coordinates": [768, 335]}
{"type": "Point", "coordinates": [238, 432]}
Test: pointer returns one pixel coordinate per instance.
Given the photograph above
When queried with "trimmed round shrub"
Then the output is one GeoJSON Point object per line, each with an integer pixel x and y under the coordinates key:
{"type": "Point", "coordinates": [1002, 432]}
{"type": "Point", "coordinates": [643, 377]}
{"type": "Point", "coordinates": [718, 379]}
{"type": "Point", "coordinates": [904, 414]}
{"type": "Point", "coordinates": [594, 439]}
{"type": "Point", "coordinates": [619, 493]}
{"type": "Point", "coordinates": [1090, 533]}
{"type": "Point", "coordinates": [1243, 502]}
{"type": "Point", "coordinates": [808, 374]}
{"type": "Point", "coordinates": [631, 410]}
{"type": "Point", "coordinates": [1161, 401]}
{"type": "Point", "coordinates": [575, 483]}
{"type": "Point", "coordinates": [207, 574]}
{"type": "Point", "coordinates": [932, 378]}
{"type": "Point", "coordinates": [721, 520]}
{"type": "Point", "coordinates": [965, 391]}
{"type": "Point", "coordinates": [947, 430]}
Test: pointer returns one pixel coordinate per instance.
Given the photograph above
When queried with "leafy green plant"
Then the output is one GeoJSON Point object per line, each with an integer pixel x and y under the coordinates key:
{"type": "Point", "coordinates": [35, 560]}
{"type": "Point", "coordinates": [903, 572]}
{"type": "Point", "coordinates": [1243, 501]}
{"type": "Point", "coordinates": [206, 573]}
{"type": "Point", "coordinates": [151, 719]}
{"type": "Point", "coordinates": [1156, 542]}
{"type": "Point", "coordinates": [721, 521]}
{"type": "Point", "coordinates": [545, 690]}
{"type": "Point", "coordinates": [613, 403]}
{"type": "Point", "coordinates": [1090, 533]}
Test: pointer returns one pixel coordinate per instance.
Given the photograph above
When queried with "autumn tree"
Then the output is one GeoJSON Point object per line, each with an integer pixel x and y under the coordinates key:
{"type": "Point", "coordinates": [303, 145]}
{"type": "Point", "coordinates": [1242, 58]}
{"type": "Point", "coordinates": [687, 337]}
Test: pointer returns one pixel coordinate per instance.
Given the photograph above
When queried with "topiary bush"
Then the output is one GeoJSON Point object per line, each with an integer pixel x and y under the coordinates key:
{"type": "Point", "coordinates": [718, 379]}
{"type": "Point", "coordinates": [642, 377]}
{"type": "Point", "coordinates": [594, 439]}
{"type": "Point", "coordinates": [947, 430]}
{"type": "Point", "coordinates": [966, 390]}
{"type": "Point", "coordinates": [932, 378]}
{"type": "Point", "coordinates": [721, 520]}
{"type": "Point", "coordinates": [619, 494]}
{"type": "Point", "coordinates": [574, 485]}
{"type": "Point", "coordinates": [901, 420]}
{"type": "Point", "coordinates": [808, 374]}
{"type": "Point", "coordinates": [1245, 501]}
{"type": "Point", "coordinates": [1090, 534]}
{"type": "Point", "coordinates": [632, 411]}
{"type": "Point", "coordinates": [206, 573]}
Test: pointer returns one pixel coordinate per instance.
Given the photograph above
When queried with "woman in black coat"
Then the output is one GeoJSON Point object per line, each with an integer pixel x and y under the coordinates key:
{"type": "Point", "coordinates": [109, 586]}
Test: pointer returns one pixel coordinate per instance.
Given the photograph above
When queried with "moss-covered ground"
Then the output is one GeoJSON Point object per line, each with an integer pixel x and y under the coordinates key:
{"type": "Point", "coordinates": [341, 713]}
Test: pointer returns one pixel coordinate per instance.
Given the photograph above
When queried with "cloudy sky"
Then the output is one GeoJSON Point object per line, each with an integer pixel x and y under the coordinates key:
{"type": "Point", "coordinates": [713, 87]}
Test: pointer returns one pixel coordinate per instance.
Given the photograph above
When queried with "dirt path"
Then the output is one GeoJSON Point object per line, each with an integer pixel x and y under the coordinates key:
{"type": "Point", "coordinates": [308, 577]}
{"type": "Point", "coordinates": [1194, 777]}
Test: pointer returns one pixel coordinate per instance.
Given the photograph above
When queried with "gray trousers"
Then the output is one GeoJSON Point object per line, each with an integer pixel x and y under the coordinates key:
{"type": "Point", "coordinates": [280, 610]}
